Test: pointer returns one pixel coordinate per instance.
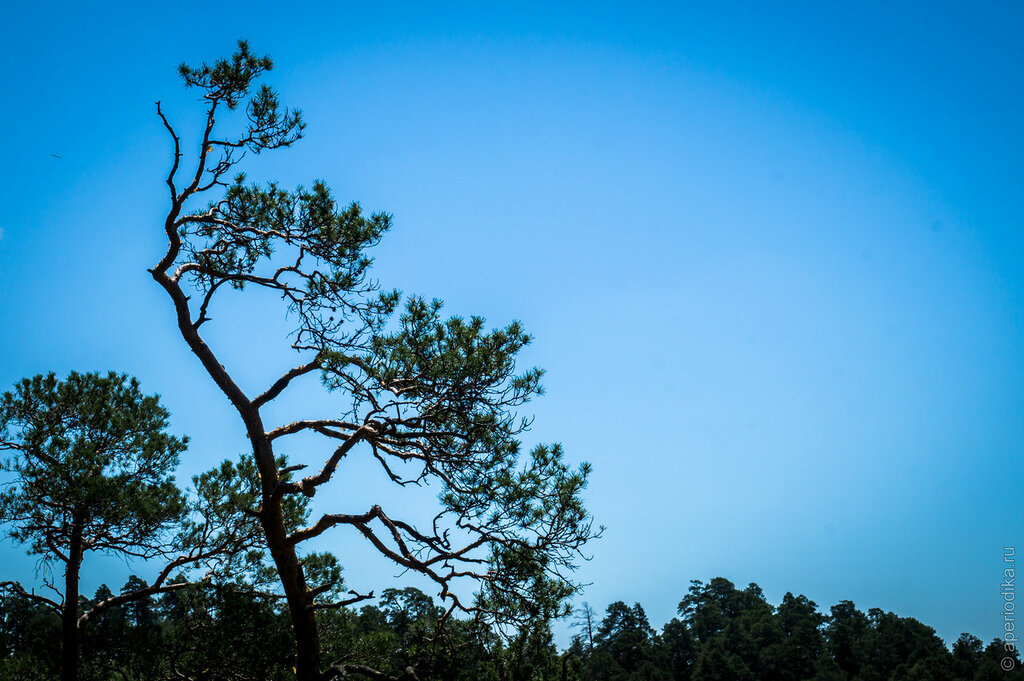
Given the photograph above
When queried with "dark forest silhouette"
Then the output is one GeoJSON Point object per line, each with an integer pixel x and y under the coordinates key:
{"type": "Point", "coordinates": [226, 631]}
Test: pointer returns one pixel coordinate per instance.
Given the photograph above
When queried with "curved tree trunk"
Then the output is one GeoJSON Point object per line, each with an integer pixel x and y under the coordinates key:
{"type": "Point", "coordinates": [293, 580]}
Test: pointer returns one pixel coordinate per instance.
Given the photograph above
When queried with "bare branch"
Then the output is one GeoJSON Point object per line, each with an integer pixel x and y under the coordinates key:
{"type": "Point", "coordinates": [177, 154]}
{"type": "Point", "coordinates": [129, 597]}
{"type": "Point", "coordinates": [309, 484]}
{"type": "Point", "coordinates": [322, 426]}
{"type": "Point", "coordinates": [204, 150]}
{"type": "Point", "coordinates": [282, 383]}
{"type": "Point", "coordinates": [19, 590]}
{"type": "Point", "coordinates": [203, 318]}
{"type": "Point", "coordinates": [329, 520]}
{"type": "Point", "coordinates": [356, 598]}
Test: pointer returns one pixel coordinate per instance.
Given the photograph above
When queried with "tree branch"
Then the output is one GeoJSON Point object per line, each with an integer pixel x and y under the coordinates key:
{"type": "Point", "coordinates": [280, 384]}
{"type": "Point", "coordinates": [177, 154]}
{"type": "Point", "coordinates": [343, 671]}
{"type": "Point", "coordinates": [322, 426]}
{"type": "Point", "coordinates": [129, 597]}
{"type": "Point", "coordinates": [356, 598]}
{"type": "Point", "coordinates": [309, 484]}
{"type": "Point", "coordinates": [16, 588]}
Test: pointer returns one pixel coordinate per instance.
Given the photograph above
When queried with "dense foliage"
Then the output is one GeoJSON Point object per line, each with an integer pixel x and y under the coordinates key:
{"type": "Point", "coordinates": [225, 631]}
{"type": "Point", "coordinates": [91, 470]}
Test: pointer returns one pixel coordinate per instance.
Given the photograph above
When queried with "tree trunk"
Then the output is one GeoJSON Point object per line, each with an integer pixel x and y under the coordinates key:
{"type": "Point", "coordinates": [300, 605]}
{"type": "Point", "coordinates": [293, 580]}
{"type": "Point", "coordinates": [69, 612]}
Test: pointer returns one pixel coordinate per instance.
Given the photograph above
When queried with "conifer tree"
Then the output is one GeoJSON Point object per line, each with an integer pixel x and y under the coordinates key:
{"type": "Point", "coordinates": [432, 399]}
{"type": "Point", "coordinates": [92, 468]}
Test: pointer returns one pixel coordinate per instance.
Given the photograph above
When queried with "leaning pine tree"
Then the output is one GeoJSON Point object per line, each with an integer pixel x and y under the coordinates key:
{"type": "Point", "coordinates": [423, 393]}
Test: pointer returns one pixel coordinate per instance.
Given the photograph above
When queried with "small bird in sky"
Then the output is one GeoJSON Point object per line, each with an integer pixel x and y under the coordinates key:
{"type": "Point", "coordinates": [56, 156]}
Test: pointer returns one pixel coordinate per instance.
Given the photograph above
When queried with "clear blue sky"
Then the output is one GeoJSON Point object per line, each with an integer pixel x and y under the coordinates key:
{"type": "Point", "coordinates": [771, 257]}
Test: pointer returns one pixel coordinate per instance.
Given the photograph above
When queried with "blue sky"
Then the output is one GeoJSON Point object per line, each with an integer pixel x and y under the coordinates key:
{"type": "Point", "coordinates": [771, 258]}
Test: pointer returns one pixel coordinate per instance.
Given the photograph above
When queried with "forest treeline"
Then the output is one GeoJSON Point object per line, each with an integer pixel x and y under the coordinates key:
{"type": "Point", "coordinates": [212, 632]}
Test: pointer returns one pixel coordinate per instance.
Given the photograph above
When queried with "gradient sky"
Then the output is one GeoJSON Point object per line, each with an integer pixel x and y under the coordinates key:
{"type": "Point", "coordinates": [771, 258]}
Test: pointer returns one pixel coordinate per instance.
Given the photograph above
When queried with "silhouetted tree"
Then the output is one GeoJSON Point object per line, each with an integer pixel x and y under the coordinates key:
{"type": "Point", "coordinates": [626, 647]}
{"type": "Point", "coordinates": [432, 399]}
{"type": "Point", "coordinates": [849, 635]}
{"type": "Point", "coordinates": [967, 655]}
{"type": "Point", "coordinates": [586, 622]}
{"type": "Point", "coordinates": [797, 654]}
{"type": "Point", "coordinates": [897, 644]}
{"type": "Point", "coordinates": [732, 628]}
{"type": "Point", "coordinates": [680, 649]}
{"type": "Point", "coordinates": [993, 659]}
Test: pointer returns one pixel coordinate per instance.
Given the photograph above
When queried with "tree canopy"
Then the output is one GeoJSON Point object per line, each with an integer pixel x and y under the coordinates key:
{"type": "Point", "coordinates": [93, 472]}
{"type": "Point", "coordinates": [92, 464]}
